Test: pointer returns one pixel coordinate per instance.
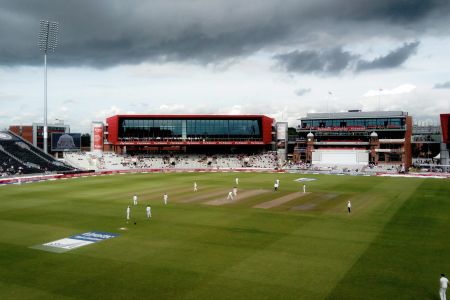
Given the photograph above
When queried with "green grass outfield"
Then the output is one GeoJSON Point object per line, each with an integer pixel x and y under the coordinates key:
{"type": "Point", "coordinates": [394, 245]}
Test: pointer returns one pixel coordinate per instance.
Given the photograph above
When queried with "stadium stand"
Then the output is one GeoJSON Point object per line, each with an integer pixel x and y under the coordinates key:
{"type": "Point", "coordinates": [112, 161]}
{"type": "Point", "coordinates": [19, 156]}
{"type": "Point", "coordinates": [10, 165]}
{"type": "Point", "coordinates": [355, 138]}
{"type": "Point", "coordinates": [80, 160]}
{"type": "Point", "coordinates": [109, 161]}
{"type": "Point", "coordinates": [265, 161]}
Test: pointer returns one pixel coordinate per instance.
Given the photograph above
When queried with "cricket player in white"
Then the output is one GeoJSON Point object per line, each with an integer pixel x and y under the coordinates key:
{"type": "Point", "coordinates": [166, 198]}
{"type": "Point", "coordinates": [349, 206]}
{"type": "Point", "coordinates": [443, 290]}
{"type": "Point", "coordinates": [149, 211]}
{"type": "Point", "coordinates": [304, 188]}
{"type": "Point", "coordinates": [237, 181]}
{"type": "Point", "coordinates": [275, 187]}
{"type": "Point", "coordinates": [278, 182]}
{"type": "Point", "coordinates": [135, 199]}
{"type": "Point", "coordinates": [195, 186]}
{"type": "Point", "coordinates": [235, 191]}
{"type": "Point", "coordinates": [230, 196]}
{"type": "Point", "coordinates": [128, 213]}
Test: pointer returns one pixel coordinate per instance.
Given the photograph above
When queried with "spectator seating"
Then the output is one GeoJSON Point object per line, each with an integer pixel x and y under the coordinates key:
{"type": "Point", "coordinates": [112, 161]}
{"type": "Point", "coordinates": [31, 159]}
{"type": "Point", "coordinates": [9, 165]}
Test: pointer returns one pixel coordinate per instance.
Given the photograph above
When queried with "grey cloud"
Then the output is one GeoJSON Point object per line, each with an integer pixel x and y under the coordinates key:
{"type": "Point", "coordinates": [108, 33]}
{"type": "Point", "coordinates": [336, 60]}
{"type": "Point", "coordinates": [301, 92]}
{"type": "Point", "coordinates": [444, 85]}
{"type": "Point", "coordinates": [397, 11]}
{"type": "Point", "coordinates": [105, 33]}
{"type": "Point", "coordinates": [331, 61]}
{"type": "Point", "coordinates": [393, 59]}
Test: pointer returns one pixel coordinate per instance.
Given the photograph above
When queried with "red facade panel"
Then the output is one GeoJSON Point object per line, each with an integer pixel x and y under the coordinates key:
{"type": "Point", "coordinates": [183, 117]}
{"type": "Point", "coordinates": [190, 143]}
{"type": "Point", "coordinates": [25, 132]}
{"type": "Point", "coordinates": [113, 129]}
{"type": "Point", "coordinates": [267, 129]}
{"type": "Point", "coordinates": [445, 126]}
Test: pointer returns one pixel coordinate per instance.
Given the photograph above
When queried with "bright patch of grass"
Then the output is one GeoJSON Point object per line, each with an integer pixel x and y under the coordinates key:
{"type": "Point", "coordinates": [393, 245]}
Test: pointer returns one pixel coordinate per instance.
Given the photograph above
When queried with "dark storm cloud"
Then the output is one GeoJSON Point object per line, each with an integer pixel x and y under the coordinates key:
{"type": "Point", "coordinates": [393, 59]}
{"type": "Point", "coordinates": [331, 61]}
{"type": "Point", "coordinates": [444, 85]}
{"type": "Point", "coordinates": [337, 60]}
{"type": "Point", "coordinates": [397, 11]}
{"type": "Point", "coordinates": [105, 33]}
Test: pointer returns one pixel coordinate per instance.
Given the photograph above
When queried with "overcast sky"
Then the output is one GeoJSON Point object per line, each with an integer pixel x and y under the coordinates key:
{"type": "Point", "coordinates": [279, 58]}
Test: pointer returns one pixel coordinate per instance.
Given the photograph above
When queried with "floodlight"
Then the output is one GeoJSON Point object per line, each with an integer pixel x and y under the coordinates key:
{"type": "Point", "coordinates": [47, 41]}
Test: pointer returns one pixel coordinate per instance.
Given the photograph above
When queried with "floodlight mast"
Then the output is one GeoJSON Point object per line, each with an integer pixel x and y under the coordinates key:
{"type": "Point", "coordinates": [47, 42]}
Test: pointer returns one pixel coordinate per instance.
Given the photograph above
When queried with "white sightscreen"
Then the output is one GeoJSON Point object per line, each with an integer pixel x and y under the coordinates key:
{"type": "Point", "coordinates": [282, 129]}
{"type": "Point", "coordinates": [340, 157]}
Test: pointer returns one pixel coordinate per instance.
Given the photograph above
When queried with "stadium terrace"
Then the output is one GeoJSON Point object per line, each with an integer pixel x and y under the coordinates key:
{"type": "Point", "coordinates": [353, 142]}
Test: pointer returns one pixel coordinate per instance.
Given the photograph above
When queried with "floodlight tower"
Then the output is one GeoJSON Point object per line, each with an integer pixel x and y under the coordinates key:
{"type": "Point", "coordinates": [48, 41]}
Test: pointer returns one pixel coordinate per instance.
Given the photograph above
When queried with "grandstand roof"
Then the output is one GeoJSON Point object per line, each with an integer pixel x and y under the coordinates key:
{"type": "Point", "coordinates": [187, 116]}
{"type": "Point", "coordinates": [355, 115]}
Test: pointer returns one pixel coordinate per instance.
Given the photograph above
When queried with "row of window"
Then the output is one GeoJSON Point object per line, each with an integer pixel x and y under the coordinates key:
{"type": "Point", "coordinates": [50, 129]}
{"type": "Point", "coordinates": [379, 122]}
{"type": "Point", "coordinates": [136, 128]}
{"type": "Point", "coordinates": [350, 134]}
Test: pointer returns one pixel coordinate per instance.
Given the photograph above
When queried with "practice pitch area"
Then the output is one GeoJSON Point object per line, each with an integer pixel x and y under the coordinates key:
{"type": "Point", "coordinates": [261, 245]}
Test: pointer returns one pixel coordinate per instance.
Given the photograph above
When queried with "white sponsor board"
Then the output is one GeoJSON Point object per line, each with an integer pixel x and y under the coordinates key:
{"type": "Point", "coordinates": [75, 241]}
{"type": "Point", "coordinates": [304, 179]}
{"type": "Point", "coordinates": [340, 157]}
{"type": "Point", "coordinates": [68, 243]}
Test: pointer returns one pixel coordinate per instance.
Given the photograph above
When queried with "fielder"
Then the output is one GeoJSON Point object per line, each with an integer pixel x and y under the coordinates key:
{"type": "Point", "coordinates": [195, 186]}
{"type": "Point", "coordinates": [443, 290]}
{"type": "Point", "coordinates": [237, 181]}
{"type": "Point", "coordinates": [230, 196]}
{"type": "Point", "coordinates": [149, 211]}
{"type": "Point", "coordinates": [304, 188]}
{"type": "Point", "coordinates": [275, 187]}
{"type": "Point", "coordinates": [128, 213]}
{"type": "Point", "coordinates": [135, 200]}
{"type": "Point", "coordinates": [166, 198]}
{"type": "Point", "coordinates": [278, 182]}
{"type": "Point", "coordinates": [349, 206]}
{"type": "Point", "coordinates": [235, 191]}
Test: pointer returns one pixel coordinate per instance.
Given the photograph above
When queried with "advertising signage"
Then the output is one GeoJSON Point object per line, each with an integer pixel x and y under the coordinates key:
{"type": "Point", "coordinates": [181, 143]}
{"type": "Point", "coordinates": [66, 141]}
